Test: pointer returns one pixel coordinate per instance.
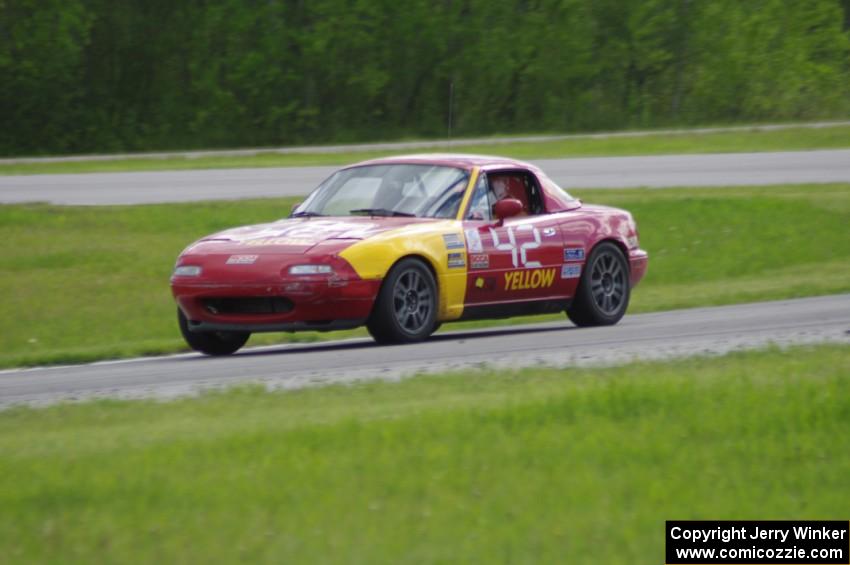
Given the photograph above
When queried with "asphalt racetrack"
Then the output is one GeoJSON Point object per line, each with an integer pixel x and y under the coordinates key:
{"type": "Point", "coordinates": [725, 169]}
{"type": "Point", "coordinates": [644, 336]}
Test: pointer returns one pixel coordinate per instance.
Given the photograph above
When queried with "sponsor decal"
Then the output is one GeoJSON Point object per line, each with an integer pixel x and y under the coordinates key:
{"type": "Point", "coordinates": [278, 241]}
{"type": "Point", "coordinates": [632, 241]}
{"type": "Point", "coordinates": [452, 241]}
{"type": "Point", "coordinates": [479, 261]}
{"type": "Point", "coordinates": [530, 279]}
{"type": "Point", "coordinates": [485, 283]}
{"type": "Point", "coordinates": [307, 231]}
{"type": "Point", "coordinates": [549, 232]}
{"type": "Point", "coordinates": [456, 260]}
{"type": "Point", "coordinates": [574, 254]}
{"type": "Point", "coordinates": [570, 271]}
{"type": "Point", "coordinates": [473, 240]}
{"type": "Point", "coordinates": [242, 259]}
{"type": "Point", "coordinates": [320, 229]}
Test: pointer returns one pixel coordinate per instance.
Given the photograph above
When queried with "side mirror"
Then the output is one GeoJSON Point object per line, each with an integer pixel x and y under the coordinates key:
{"type": "Point", "coordinates": [507, 207]}
{"type": "Point", "coordinates": [295, 207]}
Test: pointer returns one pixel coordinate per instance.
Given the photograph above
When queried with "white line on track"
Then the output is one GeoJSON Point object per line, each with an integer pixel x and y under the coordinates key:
{"type": "Point", "coordinates": [661, 335]}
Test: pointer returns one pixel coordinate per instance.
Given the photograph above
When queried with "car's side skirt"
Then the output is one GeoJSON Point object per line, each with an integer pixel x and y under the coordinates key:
{"type": "Point", "coordinates": [533, 307]}
{"type": "Point", "coordinates": [319, 326]}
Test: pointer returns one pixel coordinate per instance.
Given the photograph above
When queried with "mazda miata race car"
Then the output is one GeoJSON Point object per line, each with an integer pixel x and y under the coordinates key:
{"type": "Point", "coordinates": [401, 245]}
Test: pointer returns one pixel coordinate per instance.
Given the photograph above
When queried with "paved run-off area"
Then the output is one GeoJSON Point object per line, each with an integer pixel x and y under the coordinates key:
{"type": "Point", "coordinates": [788, 167]}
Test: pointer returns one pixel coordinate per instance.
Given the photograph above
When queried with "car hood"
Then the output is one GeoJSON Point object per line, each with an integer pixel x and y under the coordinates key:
{"type": "Point", "coordinates": [298, 235]}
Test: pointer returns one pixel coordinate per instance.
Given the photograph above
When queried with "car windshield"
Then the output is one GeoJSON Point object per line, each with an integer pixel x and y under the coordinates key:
{"type": "Point", "coordinates": [427, 191]}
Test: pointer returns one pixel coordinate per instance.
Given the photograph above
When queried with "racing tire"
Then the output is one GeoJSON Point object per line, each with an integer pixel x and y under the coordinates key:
{"type": "Point", "coordinates": [604, 288]}
{"type": "Point", "coordinates": [405, 310]}
{"type": "Point", "coordinates": [211, 343]}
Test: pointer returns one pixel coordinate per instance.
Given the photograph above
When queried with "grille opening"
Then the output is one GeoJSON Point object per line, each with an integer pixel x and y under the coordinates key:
{"type": "Point", "coordinates": [248, 305]}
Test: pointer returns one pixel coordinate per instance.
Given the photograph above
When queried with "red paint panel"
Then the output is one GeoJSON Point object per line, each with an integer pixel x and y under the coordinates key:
{"type": "Point", "coordinates": [523, 260]}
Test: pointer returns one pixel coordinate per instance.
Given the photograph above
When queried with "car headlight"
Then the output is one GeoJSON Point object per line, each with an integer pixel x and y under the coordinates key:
{"type": "Point", "coordinates": [187, 271]}
{"type": "Point", "coordinates": [310, 270]}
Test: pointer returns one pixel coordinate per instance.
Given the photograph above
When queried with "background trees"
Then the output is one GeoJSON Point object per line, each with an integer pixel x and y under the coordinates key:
{"type": "Point", "coordinates": [98, 75]}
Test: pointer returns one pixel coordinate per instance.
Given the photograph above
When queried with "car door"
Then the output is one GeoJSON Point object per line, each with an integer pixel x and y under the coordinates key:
{"type": "Point", "coordinates": [519, 259]}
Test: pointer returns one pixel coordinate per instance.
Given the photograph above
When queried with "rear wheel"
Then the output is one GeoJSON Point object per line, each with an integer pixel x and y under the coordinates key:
{"type": "Point", "coordinates": [211, 343]}
{"type": "Point", "coordinates": [406, 308]}
{"type": "Point", "coordinates": [603, 292]}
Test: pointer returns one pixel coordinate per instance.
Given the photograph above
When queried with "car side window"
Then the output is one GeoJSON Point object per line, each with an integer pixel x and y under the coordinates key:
{"type": "Point", "coordinates": [481, 203]}
{"type": "Point", "coordinates": [521, 186]}
{"type": "Point", "coordinates": [535, 195]}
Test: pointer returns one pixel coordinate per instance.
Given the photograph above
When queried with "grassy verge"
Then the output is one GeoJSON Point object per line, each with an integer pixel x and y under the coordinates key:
{"type": "Point", "coordinates": [92, 282]}
{"type": "Point", "coordinates": [723, 142]}
{"type": "Point", "coordinates": [553, 466]}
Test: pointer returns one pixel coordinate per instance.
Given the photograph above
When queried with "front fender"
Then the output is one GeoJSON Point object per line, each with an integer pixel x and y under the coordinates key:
{"type": "Point", "coordinates": [373, 258]}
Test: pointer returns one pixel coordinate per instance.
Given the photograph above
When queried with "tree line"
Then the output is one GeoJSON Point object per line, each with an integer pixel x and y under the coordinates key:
{"type": "Point", "coordinates": [101, 75]}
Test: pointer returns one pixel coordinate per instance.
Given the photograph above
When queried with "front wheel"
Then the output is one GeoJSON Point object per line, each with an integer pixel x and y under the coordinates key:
{"type": "Point", "coordinates": [211, 343]}
{"type": "Point", "coordinates": [406, 308]}
{"type": "Point", "coordinates": [603, 291]}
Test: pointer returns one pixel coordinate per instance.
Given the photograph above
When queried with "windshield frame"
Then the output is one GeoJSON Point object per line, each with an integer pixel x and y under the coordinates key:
{"type": "Point", "coordinates": [458, 189]}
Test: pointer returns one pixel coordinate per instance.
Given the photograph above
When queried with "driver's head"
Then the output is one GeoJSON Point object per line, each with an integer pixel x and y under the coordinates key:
{"type": "Point", "coordinates": [500, 188]}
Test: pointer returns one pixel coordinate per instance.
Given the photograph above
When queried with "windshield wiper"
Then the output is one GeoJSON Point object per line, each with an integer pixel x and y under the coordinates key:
{"type": "Point", "coordinates": [381, 212]}
{"type": "Point", "coordinates": [305, 214]}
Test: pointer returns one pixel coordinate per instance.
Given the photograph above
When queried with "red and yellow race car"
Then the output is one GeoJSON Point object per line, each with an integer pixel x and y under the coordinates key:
{"type": "Point", "coordinates": [401, 245]}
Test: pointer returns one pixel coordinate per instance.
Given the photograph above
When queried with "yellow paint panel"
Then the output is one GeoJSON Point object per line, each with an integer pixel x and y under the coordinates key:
{"type": "Point", "coordinates": [470, 187]}
{"type": "Point", "coordinates": [372, 259]}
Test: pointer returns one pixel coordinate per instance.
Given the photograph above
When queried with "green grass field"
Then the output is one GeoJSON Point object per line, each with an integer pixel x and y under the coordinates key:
{"type": "Point", "coordinates": [86, 283]}
{"type": "Point", "coordinates": [535, 466]}
{"type": "Point", "coordinates": [728, 142]}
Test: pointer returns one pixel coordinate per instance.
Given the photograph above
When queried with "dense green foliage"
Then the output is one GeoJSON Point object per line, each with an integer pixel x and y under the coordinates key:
{"type": "Point", "coordinates": [535, 466]}
{"type": "Point", "coordinates": [97, 75]}
{"type": "Point", "coordinates": [92, 282]}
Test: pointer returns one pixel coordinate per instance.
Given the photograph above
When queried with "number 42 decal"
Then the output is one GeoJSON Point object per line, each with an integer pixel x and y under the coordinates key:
{"type": "Point", "coordinates": [520, 251]}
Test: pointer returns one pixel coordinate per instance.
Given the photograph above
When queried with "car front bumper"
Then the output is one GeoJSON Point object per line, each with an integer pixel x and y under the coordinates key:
{"type": "Point", "coordinates": [288, 305]}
